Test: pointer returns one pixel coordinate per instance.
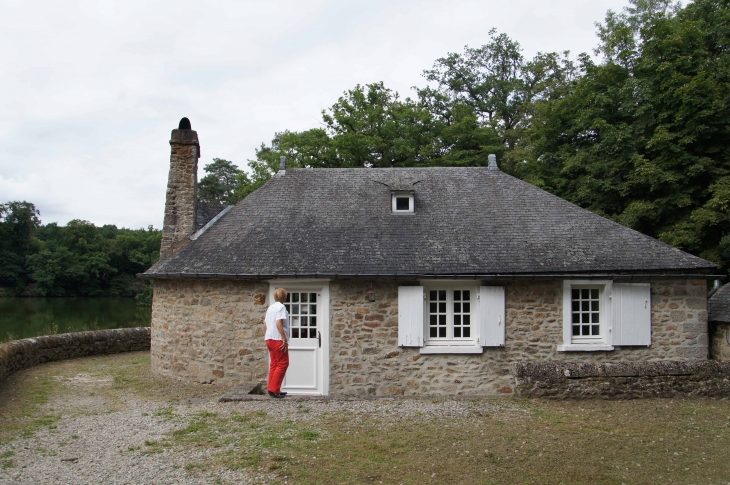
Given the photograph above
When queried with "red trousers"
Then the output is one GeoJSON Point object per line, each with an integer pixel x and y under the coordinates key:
{"type": "Point", "coordinates": [278, 366]}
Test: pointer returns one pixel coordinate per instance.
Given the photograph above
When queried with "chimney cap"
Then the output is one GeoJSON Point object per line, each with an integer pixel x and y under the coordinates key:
{"type": "Point", "coordinates": [493, 162]}
{"type": "Point", "coordinates": [184, 124]}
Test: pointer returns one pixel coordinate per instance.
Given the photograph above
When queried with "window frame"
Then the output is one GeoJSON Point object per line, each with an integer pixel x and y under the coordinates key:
{"type": "Point", "coordinates": [451, 344]}
{"type": "Point", "coordinates": [587, 344]}
{"type": "Point", "coordinates": [411, 203]}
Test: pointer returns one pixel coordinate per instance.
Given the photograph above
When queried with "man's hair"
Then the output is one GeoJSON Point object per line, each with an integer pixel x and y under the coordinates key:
{"type": "Point", "coordinates": [280, 295]}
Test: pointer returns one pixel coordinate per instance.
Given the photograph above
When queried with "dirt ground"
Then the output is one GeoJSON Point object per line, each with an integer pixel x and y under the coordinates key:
{"type": "Point", "coordinates": [334, 441]}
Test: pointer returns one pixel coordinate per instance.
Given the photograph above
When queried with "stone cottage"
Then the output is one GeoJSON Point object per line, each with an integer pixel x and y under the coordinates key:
{"type": "Point", "coordinates": [408, 281]}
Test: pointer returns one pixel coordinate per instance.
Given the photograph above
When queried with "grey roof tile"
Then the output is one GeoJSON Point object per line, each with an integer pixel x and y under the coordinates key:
{"type": "Point", "coordinates": [467, 221]}
{"type": "Point", "coordinates": [719, 305]}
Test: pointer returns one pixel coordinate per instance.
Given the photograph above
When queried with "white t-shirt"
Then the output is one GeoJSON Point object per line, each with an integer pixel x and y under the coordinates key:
{"type": "Point", "coordinates": [277, 311]}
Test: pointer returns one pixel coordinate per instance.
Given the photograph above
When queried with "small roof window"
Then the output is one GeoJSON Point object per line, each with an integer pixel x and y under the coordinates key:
{"type": "Point", "coordinates": [402, 203]}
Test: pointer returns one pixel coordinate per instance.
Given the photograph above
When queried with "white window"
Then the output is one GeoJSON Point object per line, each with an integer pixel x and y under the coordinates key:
{"type": "Point", "coordinates": [586, 313]}
{"type": "Point", "coordinates": [402, 203]}
{"type": "Point", "coordinates": [598, 315]}
{"type": "Point", "coordinates": [450, 318]}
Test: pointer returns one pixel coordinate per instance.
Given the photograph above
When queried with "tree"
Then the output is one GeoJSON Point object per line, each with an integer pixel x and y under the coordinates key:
{"type": "Point", "coordinates": [642, 136]}
{"type": "Point", "coordinates": [18, 224]}
{"type": "Point", "coordinates": [495, 85]}
{"type": "Point", "coordinates": [219, 185]}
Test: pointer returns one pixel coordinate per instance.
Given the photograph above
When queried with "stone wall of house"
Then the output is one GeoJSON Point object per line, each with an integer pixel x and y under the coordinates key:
{"type": "Point", "coordinates": [209, 330]}
{"type": "Point", "coordinates": [720, 341]}
{"type": "Point", "coordinates": [365, 358]}
{"type": "Point", "coordinates": [21, 354]}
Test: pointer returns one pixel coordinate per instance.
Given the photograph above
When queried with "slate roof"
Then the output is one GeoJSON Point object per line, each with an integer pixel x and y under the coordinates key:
{"type": "Point", "coordinates": [719, 305]}
{"type": "Point", "coordinates": [467, 221]}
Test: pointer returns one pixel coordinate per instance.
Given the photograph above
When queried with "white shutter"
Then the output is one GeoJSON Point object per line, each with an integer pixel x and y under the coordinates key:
{"type": "Point", "coordinates": [631, 314]}
{"type": "Point", "coordinates": [491, 316]}
{"type": "Point", "coordinates": [410, 316]}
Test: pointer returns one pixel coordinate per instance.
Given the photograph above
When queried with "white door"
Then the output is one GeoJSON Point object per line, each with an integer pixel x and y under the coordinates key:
{"type": "Point", "coordinates": [308, 308]}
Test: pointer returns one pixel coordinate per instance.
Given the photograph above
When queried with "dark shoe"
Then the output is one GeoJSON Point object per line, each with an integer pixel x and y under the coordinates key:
{"type": "Point", "coordinates": [278, 396]}
{"type": "Point", "coordinates": [282, 393]}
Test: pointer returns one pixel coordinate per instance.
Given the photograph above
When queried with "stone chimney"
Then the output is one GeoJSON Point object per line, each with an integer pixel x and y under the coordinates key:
{"type": "Point", "coordinates": [182, 188]}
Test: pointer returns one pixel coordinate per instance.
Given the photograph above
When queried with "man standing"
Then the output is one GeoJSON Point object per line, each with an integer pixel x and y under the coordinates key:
{"type": "Point", "coordinates": [276, 333]}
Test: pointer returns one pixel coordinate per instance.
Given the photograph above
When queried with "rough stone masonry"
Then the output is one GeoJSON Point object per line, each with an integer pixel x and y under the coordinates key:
{"type": "Point", "coordinates": [182, 186]}
{"type": "Point", "coordinates": [210, 330]}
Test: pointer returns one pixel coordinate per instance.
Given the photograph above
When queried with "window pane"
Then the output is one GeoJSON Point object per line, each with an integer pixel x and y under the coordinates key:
{"type": "Point", "coordinates": [295, 308]}
{"type": "Point", "coordinates": [442, 295]}
{"type": "Point", "coordinates": [576, 330]}
{"type": "Point", "coordinates": [585, 306]}
{"type": "Point", "coordinates": [304, 297]}
{"type": "Point", "coordinates": [457, 332]}
{"type": "Point", "coordinates": [585, 318]}
{"type": "Point", "coordinates": [442, 319]}
{"type": "Point", "coordinates": [305, 309]}
{"type": "Point", "coordinates": [288, 308]}
{"type": "Point", "coordinates": [467, 307]}
{"type": "Point", "coordinates": [295, 333]}
{"type": "Point", "coordinates": [576, 306]}
{"type": "Point", "coordinates": [402, 203]}
{"type": "Point", "coordinates": [432, 295]}
{"type": "Point", "coordinates": [595, 318]}
{"type": "Point", "coordinates": [432, 307]}
{"type": "Point", "coordinates": [586, 329]}
{"type": "Point", "coordinates": [595, 329]}
{"type": "Point", "coordinates": [457, 307]}
{"type": "Point", "coordinates": [584, 293]}
{"type": "Point", "coordinates": [313, 297]}
{"type": "Point", "coordinates": [576, 294]}
{"type": "Point", "coordinates": [576, 317]}
{"type": "Point", "coordinates": [594, 293]}
{"type": "Point", "coordinates": [465, 295]}
{"type": "Point", "coordinates": [432, 332]}
{"type": "Point", "coordinates": [467, 332]}
{"type": "Point", "coordinates": [313, 309]}
{"type": "Point", "coordinates": [432, 320]}
{"type": "Point", "coordinates": [594, 305]}
{"type": "Point", "coordinates": [304, 322]}
{"type": "Point", "coordinates": [442, 332]}
{"type": "Point", "coordinates": [442, 307]}
{"type": "Point", "coordinates": [467, 319]}
{"type": "Point", "coordinates": [457, 319]}
{"type": "Point", "coordinates": [457, 295]}
{"type": "Point", "coordinates": [295, 297]}
{"type": "Point", "coordinates": [312, 321]}
{"type": "Point", "coordinates": [288, 297]}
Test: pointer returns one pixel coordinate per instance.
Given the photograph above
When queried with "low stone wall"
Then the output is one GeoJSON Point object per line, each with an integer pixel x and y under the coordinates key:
{"type": "Point", "coordinates": [21, 354]}
{"type": "Point", "coordinates": [622, 380]}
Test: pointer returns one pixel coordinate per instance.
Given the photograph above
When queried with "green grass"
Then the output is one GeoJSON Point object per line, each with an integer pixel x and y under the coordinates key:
{"type": "Point", "coordinates": [501, 441]}
{"type": "Point", "coordinates": [5, 459]}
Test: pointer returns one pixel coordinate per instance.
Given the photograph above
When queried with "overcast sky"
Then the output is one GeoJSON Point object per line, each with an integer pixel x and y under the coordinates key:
{"type": "Point", "coordinates": [91, 88]}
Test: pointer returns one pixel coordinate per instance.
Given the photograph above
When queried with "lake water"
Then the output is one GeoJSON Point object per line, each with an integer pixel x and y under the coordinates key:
{"type": "Point", "coordinates": [31, 317]}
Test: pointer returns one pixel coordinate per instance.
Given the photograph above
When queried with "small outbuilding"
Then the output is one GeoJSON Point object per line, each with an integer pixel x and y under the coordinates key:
{"type": "Point", "coordinates": [410, 281]}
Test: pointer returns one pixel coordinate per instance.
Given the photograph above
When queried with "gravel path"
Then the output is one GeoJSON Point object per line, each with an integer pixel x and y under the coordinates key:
{"type": "Point", "coordinates": [110, 448]}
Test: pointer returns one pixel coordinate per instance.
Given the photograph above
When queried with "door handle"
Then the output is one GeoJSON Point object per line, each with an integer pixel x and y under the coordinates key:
{"type": "Point", "coordinates": [319, 338]}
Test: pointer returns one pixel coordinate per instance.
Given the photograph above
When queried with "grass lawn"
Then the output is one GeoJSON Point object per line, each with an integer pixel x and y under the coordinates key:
{"type": "Point", "coordinates": [484, 441]}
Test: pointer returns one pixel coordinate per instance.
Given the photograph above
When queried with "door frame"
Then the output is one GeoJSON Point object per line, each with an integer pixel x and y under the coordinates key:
{"type": "Point", "coordinates": [322, 286]}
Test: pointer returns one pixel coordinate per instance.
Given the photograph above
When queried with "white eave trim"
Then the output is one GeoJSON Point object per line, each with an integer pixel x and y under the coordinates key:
{"type": "Point", "coordinates": [210, 223]}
